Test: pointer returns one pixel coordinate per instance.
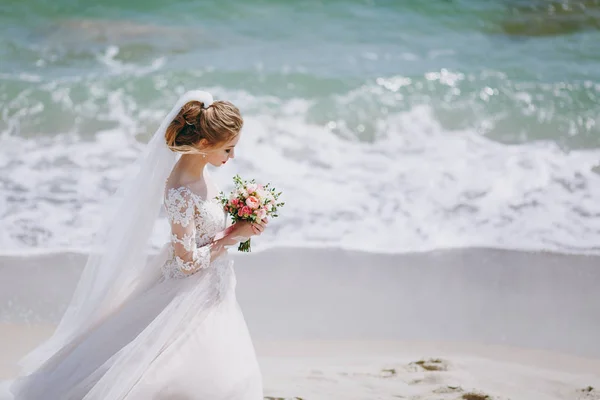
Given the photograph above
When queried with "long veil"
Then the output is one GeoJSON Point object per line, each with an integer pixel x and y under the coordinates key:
{"type": "Point", "coordinates": [116, 267]}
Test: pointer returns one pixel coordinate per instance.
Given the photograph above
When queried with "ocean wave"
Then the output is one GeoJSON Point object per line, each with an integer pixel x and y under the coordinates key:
{"type": "Point", "coordinates": [404, 182]}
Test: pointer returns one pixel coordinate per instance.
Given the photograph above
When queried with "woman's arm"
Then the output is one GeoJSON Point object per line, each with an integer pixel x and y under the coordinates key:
{"type": "Point", "coordinates": [189, 257]}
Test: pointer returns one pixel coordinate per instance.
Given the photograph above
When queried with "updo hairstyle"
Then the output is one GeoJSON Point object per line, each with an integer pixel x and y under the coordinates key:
{"type": "Point", "coordinates": [218, 123]}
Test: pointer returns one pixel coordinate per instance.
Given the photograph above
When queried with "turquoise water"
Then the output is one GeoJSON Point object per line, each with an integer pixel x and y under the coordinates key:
{"type": "Point", "coordinates": [443, 123]}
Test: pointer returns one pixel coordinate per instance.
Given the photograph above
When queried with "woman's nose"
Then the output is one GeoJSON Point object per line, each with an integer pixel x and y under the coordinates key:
{"type": "Point", "coordinates": [232, 153]}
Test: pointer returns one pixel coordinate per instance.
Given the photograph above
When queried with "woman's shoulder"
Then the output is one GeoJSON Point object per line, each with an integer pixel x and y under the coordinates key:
{"type": "Point", "coordinates": [172, 190]}
{"type": "Point", "coordinates": [179, 194]}
{"type": "Point", "coordinates": [178, 190]}
{"type": "Point", "coordinates": [180, 204]}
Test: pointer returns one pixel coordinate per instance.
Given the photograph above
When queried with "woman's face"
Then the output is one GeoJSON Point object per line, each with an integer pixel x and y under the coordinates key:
{"type": "Point", "coordinates": [220, 155]}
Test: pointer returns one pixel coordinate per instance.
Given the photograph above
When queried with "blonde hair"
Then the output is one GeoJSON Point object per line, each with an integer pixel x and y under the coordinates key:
{"type": "Point", "coordinates": [218, 123]}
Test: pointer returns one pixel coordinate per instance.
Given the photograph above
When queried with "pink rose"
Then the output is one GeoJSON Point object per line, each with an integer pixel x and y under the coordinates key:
{"type": "Point", "coordinates": [261, 214]}
{"type": "Point", "coordinates": [241, 212]}
{"type": "Point", "coordinates": [252, 202]}
{"type": "Point", "coordinates": [235, 202]}
{"type": "Point", "coordinates": [246, 211]}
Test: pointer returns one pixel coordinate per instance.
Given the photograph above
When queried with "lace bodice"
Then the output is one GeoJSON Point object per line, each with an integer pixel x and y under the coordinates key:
{"type": "Point", "coordinates": [194, 224]}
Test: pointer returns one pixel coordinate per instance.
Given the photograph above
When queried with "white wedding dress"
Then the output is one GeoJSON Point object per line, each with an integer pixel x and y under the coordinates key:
{"type": "Point", "coordinates": [177, 337]}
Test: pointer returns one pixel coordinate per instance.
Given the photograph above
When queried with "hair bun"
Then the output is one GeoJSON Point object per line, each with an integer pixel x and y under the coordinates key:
{"type": "Point", "coordinates": [217, 124]}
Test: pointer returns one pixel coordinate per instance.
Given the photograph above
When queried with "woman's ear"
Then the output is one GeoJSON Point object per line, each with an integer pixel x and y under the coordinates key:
{"type": "Point", "coordinates": [203, 143]}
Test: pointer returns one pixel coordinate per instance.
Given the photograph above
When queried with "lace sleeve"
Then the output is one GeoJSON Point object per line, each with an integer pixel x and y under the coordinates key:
{"type": "Point", "coordinates": [180, 210]}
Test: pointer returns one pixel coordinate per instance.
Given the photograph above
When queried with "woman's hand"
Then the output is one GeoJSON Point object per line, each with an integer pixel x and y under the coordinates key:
{"type": "Point", "coordinates": [242, 231]}
{"type": "Point", "coordinates": [259, 227]}
{"type": "Point", "coordinates": [248, 229]}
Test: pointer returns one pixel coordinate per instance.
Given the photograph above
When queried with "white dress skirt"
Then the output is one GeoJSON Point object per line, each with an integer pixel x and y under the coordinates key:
{"type": "Point", "coordinates": [182, 337]}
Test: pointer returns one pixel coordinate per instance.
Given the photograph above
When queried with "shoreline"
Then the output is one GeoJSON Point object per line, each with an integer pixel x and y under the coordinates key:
{"type": "Point", "coordinates": [83, 252]}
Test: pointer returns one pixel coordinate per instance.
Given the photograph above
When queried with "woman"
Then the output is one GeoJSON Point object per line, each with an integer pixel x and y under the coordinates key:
{"type": "Point", "coordinates": [169, 327]}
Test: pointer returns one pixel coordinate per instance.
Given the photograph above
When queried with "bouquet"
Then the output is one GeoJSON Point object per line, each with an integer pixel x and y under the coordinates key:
{"type": "Point", "coordinates": [250, 201]}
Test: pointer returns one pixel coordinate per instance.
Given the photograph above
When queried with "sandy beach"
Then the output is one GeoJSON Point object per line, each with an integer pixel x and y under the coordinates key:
{"type": "Point", "coordinates": [361, 370]}
{"type": "Point", "coordinates": [332, 324]}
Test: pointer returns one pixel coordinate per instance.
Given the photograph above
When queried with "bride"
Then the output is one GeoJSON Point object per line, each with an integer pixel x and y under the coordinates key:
{"type": "Point", "coordinates": [168, 326]}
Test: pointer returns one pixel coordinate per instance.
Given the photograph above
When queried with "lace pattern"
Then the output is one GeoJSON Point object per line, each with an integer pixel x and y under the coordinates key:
{"type": "Point", "coordinates": [194, 224]}
{"type": "Point", "coordinates": [176, 267]}
{"type": "Point", "coordinates": [188, 241]}
{"type": "Point", "coordinates": [179, 206]}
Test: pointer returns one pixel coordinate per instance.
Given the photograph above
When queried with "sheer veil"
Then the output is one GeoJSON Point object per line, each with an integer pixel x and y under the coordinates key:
{"type": "Point", "coordinates": [117, 265]}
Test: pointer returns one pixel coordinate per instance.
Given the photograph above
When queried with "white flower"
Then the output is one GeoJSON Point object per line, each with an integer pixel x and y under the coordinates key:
{"type": "Point", "coordinates": [262, 194]}
{"type": "Point", "coordinates": [251, 188]}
